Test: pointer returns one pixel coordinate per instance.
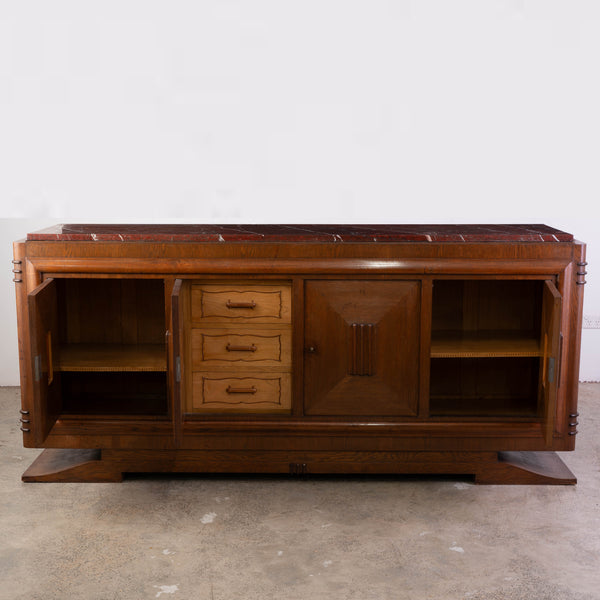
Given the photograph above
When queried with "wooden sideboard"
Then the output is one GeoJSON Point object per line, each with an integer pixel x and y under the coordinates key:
{"type": "Point", "coordinates": [299, 349]}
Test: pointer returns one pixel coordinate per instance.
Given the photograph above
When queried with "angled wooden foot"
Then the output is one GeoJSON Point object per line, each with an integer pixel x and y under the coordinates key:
{"type": "Point", "coordinates": [526, 468]}
{"type": "Point", "coordinates": [64, 466]}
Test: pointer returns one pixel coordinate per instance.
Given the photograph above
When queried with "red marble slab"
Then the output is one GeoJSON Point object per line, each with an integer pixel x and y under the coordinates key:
{"type": "Point", "coordinates": [301, 233]}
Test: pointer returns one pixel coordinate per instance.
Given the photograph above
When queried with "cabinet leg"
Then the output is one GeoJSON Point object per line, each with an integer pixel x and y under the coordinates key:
{"type": "Point", "coordinates": [526, 468]}
{"type": "Point", "coordinates": [65, 466]}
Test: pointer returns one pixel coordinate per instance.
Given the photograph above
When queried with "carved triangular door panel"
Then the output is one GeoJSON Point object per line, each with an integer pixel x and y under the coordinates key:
{"type": "Point", "coordinates": [361, 347]}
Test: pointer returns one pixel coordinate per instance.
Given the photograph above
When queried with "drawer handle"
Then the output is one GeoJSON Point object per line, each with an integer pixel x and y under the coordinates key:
{"type": "Point", "coordinates": [231, 304]}
{"type": "Point", "coordinates": [232, 348]}
{"type": "Point", "coordinates": [50, 365]}
{"type": "Point", "coordinates": [249, 390]}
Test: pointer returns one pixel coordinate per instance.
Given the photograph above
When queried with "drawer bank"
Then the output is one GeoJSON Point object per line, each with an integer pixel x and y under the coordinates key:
{"type": "Point", "coordinates": [299, 349]}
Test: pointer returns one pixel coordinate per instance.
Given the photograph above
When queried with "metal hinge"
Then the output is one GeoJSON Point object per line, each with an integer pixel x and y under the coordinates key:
{"type": "Point", "coordinates": [551, 362]}
{"type": "Point", "coordinates": [37, 367]}
{"type": "Point", "coordinates": [581, 273]}
{"type": "Point", "coordinates": [24, 413]}
{"type": "Point", "coordinates": [178, 369]}
{"type": "Point", "coordinates": [17, 271]}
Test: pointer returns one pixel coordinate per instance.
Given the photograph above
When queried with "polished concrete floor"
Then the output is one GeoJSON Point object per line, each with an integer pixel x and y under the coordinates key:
{"type": "Point", "coordinates": [247, 538]}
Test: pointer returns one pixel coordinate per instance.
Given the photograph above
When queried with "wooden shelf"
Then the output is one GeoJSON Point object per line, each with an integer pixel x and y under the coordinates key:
{"type": "Point", "coordinates": [112, 357]}
{"type": "Point", "coordinates": [482, 344]}
{"type": "Point", "coordinates": [461, 406]}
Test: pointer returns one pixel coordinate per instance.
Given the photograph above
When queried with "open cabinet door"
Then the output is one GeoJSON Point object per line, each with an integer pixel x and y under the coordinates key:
{"type": "Point", "coordinates": [43, 332]}
{"type": "Point", "coordinates": [551, 312]}
{"type": "Point", "coordinates": [177, 315]}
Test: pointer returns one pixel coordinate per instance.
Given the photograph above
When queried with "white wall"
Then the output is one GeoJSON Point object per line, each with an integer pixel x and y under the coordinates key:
{"type": "Point", "coordinates": [315, 111]}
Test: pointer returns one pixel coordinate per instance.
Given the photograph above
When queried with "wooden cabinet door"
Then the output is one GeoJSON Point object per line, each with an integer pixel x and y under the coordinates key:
{"type": "Point", "coordinates": [361, 348]}
{"type": "Point", "coordinates": [551, 313]}
{"type": "Point", "coordinates": [178, 317]}
{"type": "Point", "coordinates": [43, 332]}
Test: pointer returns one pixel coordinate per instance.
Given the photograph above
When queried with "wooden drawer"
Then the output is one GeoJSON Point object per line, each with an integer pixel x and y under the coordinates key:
{"type": "Point", "coordinates": [230, 392]}
{"type": "Point", "coordinates": [242, 348]}
{"type": "Point", "coordinates": [246, 303]}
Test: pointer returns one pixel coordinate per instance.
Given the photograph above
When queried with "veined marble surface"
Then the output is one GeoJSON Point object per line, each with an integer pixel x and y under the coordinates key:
{"type": "Point", "coordinates": [300, 233]}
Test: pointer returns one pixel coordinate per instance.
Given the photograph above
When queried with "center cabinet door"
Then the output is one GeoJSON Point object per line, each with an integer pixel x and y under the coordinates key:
{"type": "Point", "coordinates": [361, 348]}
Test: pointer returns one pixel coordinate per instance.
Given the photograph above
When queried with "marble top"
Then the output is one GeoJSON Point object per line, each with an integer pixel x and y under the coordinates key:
{"type": "Point", "coordinates": [301, 233]}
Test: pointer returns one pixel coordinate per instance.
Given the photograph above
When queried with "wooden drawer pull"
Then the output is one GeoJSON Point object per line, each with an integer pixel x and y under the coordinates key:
{"type": "Point", "coordinates": [232, 348]}
{"type": "Point", "coordinates": [232, 390]}
{"type": "Point", "coordinates": [50, 365]}
{"type": "Point", "coordinates": [231, 304]}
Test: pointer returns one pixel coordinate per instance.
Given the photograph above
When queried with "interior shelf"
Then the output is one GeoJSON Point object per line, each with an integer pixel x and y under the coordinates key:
{"type": "Point", "coordinates": [482, 344]}
{"type": "Point", "coordinates": [112, 357]}
{"type": "Point", "coordinates": [482, 406]}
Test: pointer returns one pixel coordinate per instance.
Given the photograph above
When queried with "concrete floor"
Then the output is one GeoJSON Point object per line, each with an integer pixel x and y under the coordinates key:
{"type": "Point", "coordinates": [249, 538]}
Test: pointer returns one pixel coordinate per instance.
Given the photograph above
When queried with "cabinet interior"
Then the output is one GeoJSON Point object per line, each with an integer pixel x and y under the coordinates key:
{"type": "Point", "coordinates": [112, 355]}
{"type": "Point", "coordinates": [485, 348]}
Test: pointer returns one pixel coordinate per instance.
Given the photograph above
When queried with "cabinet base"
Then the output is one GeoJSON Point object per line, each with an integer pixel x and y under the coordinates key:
{"type": "Point", "coordinates": [56, 465]}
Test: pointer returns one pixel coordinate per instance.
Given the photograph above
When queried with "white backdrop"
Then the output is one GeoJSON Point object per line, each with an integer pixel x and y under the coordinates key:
{"type": "Point", "coordinates": [313, 111]}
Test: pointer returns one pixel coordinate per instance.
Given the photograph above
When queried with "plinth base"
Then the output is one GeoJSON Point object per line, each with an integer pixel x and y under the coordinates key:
{"type": "Point", "coordinates": [54, 465]}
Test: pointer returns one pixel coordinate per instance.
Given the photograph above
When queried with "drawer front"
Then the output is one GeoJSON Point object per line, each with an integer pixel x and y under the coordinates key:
{"type": "Point", "coordinates": [230, 392]}
{"type": "Point", "coordinates": [241, 348]}
{"type": "Point", "coordinates": [241, 303]}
